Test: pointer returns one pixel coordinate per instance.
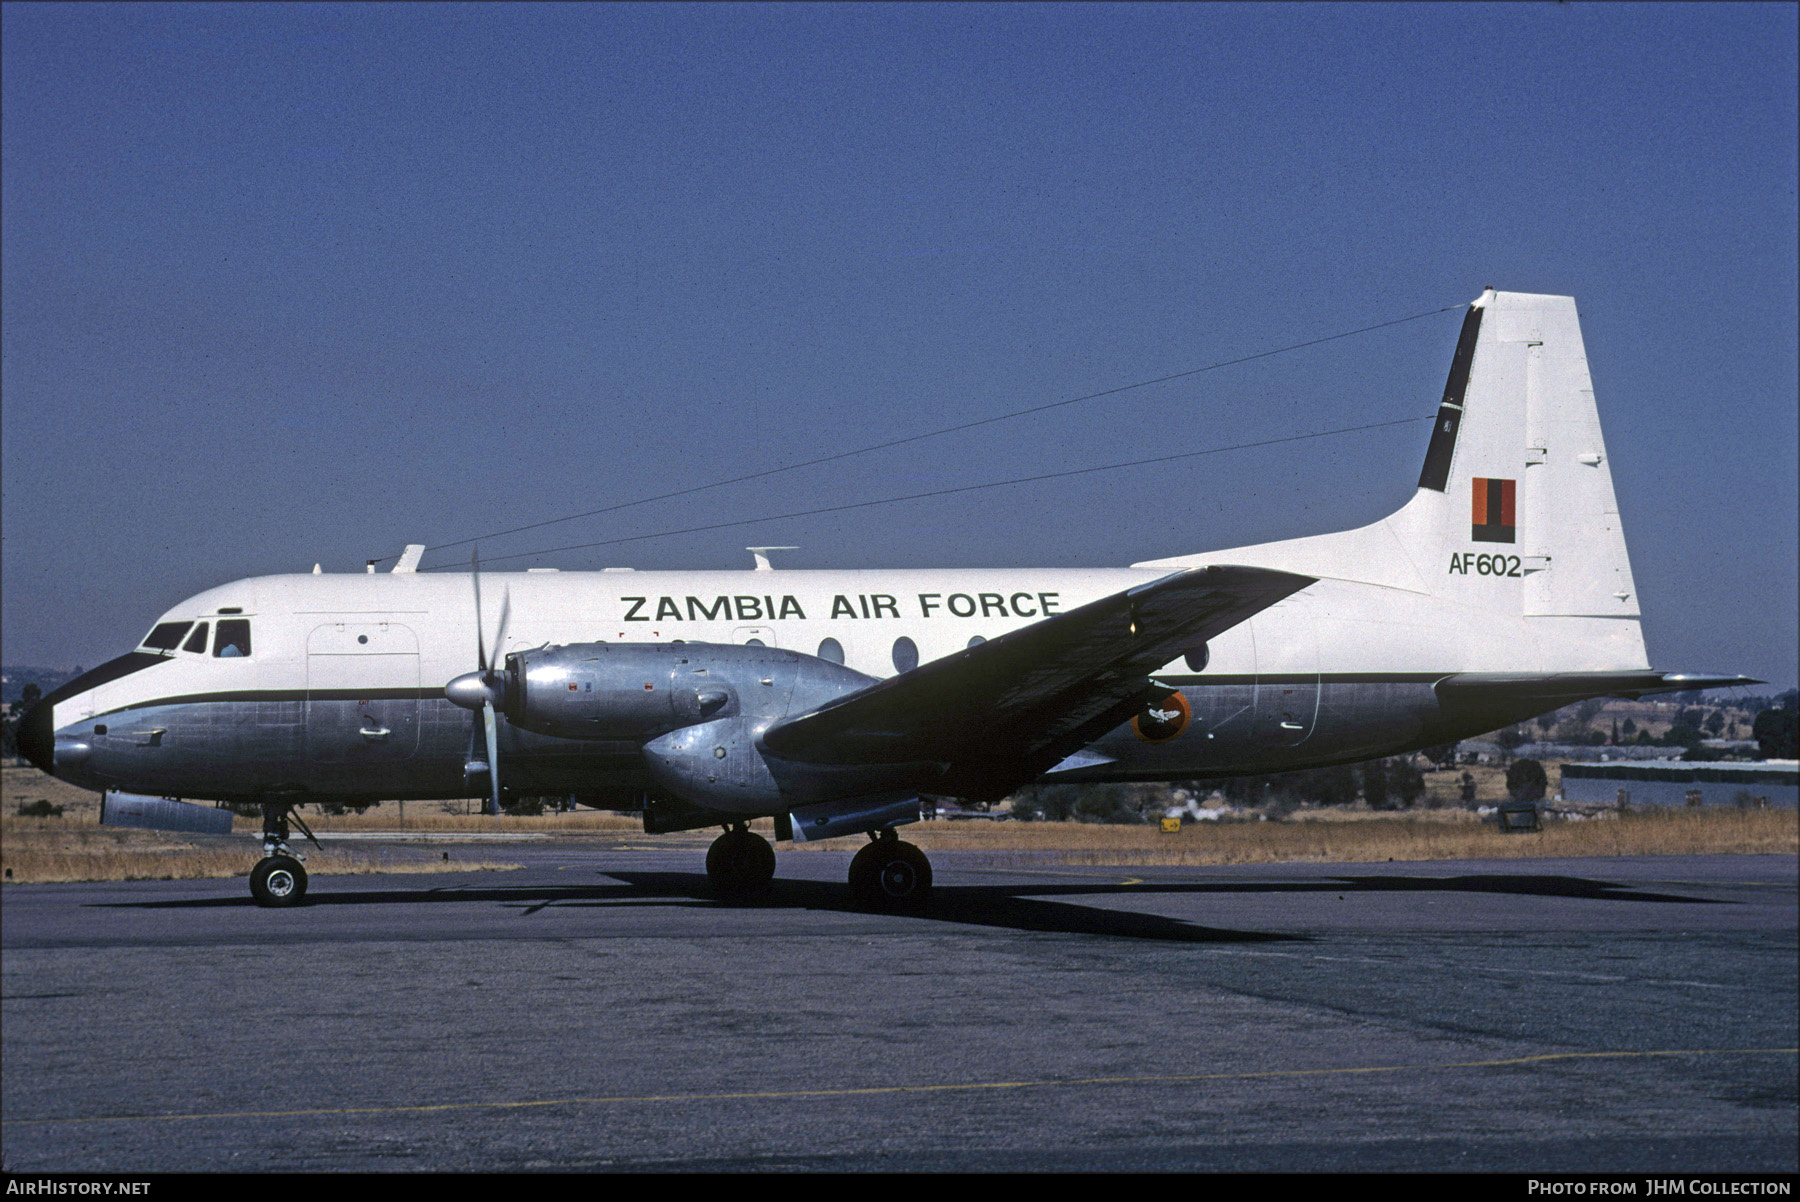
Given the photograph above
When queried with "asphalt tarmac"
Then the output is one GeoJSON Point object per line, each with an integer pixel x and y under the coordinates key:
{"type": "Point", "coordinates": [596, 1010]}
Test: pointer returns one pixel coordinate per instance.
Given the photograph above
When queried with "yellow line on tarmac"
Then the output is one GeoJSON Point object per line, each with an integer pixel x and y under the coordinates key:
{"type": "Point", "coordinates": [967, 1087]}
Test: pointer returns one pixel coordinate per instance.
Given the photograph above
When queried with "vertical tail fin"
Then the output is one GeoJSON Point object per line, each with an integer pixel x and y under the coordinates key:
{"type": "Point", "coordinates": [1515, 515]}
{"type": "Point", "coordinates": [1517, 465]}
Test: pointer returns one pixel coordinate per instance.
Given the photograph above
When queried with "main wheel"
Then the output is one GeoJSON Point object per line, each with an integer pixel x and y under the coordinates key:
{"type": "Point", "coordinates": [740, 864]}
{"type": "Point", "coordinates": [278, 881]}
{"type": "Point", "coordinates": [890, 875]}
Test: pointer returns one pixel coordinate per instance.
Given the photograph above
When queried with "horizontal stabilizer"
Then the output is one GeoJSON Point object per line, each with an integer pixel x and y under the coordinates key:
{"type": "Point", "coordinates": [1561, 687]}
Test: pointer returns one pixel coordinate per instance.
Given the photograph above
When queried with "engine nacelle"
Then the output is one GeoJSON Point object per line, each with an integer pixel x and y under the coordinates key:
{"type": "Point", "coordinates": [596, 691]}
{"type": "Point", "coordinates": [698, 709]}
{"type": "Point", "coordinates": [645, 690]}
{"type": "Point", "coordinates": [716, 765]}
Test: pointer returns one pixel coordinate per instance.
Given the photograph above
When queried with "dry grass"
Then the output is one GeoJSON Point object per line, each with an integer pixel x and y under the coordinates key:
{"type": "Point", "coordinates": [75, 847]}
{"type": "Point", "coordinates": [104, 854]}
{"type": "Point", "coordinates": [22, 784]}
{"type": "Point", "coordinates": [1352, 837]}
{"type": "Point", "coordinates": [433, 817]}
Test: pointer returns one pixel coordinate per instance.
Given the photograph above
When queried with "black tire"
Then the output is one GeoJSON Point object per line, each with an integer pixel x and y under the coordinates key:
{"type": "Point", "coordinates": [890, 875]}
{"type": "Point", "coordinates": [740, 864]}
{"type": "Point", "coordinates": [278, 881]}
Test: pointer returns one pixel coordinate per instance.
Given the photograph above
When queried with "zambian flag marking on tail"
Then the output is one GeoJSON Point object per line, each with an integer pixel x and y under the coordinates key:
{"type": "Point", "coordinates": [1493, 520]}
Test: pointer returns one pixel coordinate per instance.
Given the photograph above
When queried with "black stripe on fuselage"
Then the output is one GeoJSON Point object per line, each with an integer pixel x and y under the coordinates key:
{"type": "Point", "coordinates": [430, 694]}
{"type": "Point", "coordinates": [1436, 473]}
{"type": "Point", "coordinates": [37, 733]}
{"type": "Point", "coordinates": [417, 694]}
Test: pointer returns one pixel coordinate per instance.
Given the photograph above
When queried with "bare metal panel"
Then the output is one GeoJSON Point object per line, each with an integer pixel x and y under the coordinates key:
{"type": "Point", "coordinates": [161, 814]}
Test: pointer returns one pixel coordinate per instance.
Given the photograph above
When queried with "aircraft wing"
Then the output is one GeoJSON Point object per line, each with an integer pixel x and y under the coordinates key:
{"type": "Point", "coordinates": [1003, 712]}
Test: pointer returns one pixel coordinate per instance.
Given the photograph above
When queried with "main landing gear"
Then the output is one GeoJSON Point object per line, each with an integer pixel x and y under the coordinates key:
{"type": "Point", "coordinates": [890, 874]}
{"type": "Point", "coordinates": [886, 875]}
{"type": "Point", "coordinates": [279, 879]}
{"type": "Point", "coordinates": [740, 864]}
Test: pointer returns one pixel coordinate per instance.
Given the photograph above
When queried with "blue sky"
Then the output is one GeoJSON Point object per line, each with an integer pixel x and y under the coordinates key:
{"type": "Point", "coordinates": [286, 284]}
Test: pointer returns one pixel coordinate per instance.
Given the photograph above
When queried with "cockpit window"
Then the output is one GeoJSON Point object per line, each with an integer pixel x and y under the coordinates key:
{"type": "Point", "coordinates": [166, 636]}
{"type": "Point", "coordinates": [234, 638]}
{"type": "Point", "coordinates": [197, 640]}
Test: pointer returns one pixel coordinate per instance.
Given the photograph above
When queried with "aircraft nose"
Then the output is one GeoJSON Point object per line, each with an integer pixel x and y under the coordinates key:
{"type": "Point", "coordinates": [37, 741]}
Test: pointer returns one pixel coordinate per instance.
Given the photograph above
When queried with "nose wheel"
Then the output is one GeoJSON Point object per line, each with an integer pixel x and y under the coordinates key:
{"type": "Point", "coordinates": [740, 864]}
{"type": "Point", "coordinates": [278, 881]}
{"type": "Point", "coordinates": [890, 874]}
{"type": "Point", "coordinates": [278, 878]}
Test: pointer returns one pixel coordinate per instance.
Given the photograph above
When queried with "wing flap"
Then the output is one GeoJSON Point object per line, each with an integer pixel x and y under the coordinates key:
{"type": "Point", "coordinates": [1000, 713]}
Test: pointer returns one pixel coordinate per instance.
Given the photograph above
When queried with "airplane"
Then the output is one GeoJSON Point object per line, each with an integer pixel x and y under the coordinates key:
{"type": "Point", "coordinates": [831, 701]}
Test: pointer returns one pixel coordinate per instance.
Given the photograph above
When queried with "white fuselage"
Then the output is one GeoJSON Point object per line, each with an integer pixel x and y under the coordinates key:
{"type": "Point", "coordinates": [1509, 562]}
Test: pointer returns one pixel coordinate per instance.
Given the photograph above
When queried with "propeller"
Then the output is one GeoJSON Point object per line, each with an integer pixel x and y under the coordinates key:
{"type": "Point", "coordinates": [481, 688]}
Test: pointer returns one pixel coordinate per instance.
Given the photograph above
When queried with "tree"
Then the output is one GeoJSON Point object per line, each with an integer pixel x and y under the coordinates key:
{"type": "Point", "coordinates": [1405, 782]}
{"type": "Point", "coordinates": [1126, 804]}
{"type": "Point", "coordinates": [1245, 790]}
{"type": "Point", "coordinates": [1042, 803]}
{"type": "Point", "coordinates": [1777, 733]}
{"type": "Point", "coordinates": [9, 729]}
{"type": "Point", "coordinates": [1118, 804]}
{"type": "Point", "coordinates": [1440, 754]}
{"type": "Point", "coordinates": [1322, 786]}
{"type": "Point", "coordinates": [1682, 734]}
{"type": "Point", "coordinates": [1375, 784]}
{"type": "Point", "coordinates": [1331, 786]}
{"type": "Point", "coordinates": [1526, 781]}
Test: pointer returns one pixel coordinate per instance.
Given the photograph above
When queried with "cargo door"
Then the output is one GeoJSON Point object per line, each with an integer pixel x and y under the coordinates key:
{"type": "Point", "coordinates": [362, 693]}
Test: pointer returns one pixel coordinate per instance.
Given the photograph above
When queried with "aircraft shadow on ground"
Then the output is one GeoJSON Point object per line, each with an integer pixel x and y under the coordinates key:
{"type": "Point", "coordinates": [1022, 906]}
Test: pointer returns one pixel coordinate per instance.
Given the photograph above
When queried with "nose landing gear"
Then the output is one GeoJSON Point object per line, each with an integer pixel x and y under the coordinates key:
{"type": "Point", "coordinates": [279, 879]}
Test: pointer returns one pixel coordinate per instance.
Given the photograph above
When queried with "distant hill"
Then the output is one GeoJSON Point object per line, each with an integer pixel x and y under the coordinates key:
{"type": "Point", "coordinates": [14, 679]}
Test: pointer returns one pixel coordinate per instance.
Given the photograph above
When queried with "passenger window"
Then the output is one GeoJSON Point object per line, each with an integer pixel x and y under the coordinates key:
{"type": "Point", "coordinates": [167, 636]}
{"type": "Point", "coordinates": [234, 639]}
{"type": "Point", "coordinates": [906, 654]}
{"type": "Point", "coordinates": [197, 640]}
{"type": "Point", "coordinates": [832, 650]}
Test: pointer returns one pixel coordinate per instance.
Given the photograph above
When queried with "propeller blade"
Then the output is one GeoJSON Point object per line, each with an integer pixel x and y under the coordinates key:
{"type": "Point", "coordinates": [500, 629]}
{"type": "Point", "coordinates": [493, 754]}
{"type": "Point", "coordinates": [478, 687]}
{"type": "Point", "coordinates": [480, 644]}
